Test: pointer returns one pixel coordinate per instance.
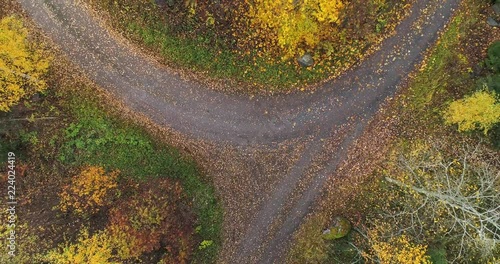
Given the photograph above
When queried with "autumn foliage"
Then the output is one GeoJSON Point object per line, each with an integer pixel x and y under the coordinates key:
{"type": "Point", "coordinates": [149, 221]}
{"type": "Point", "coordinates": [88, 191]}
{"type": "Point", "coordinates": [22, 65]}
{"type": "Point", "coordinates": [87, 249]}
{"type": "Point", "coordinates": [479, 111]}
{"type": "Point", "coordinates": [258, 42]}
{"type": "Point", "coordinates": [290, 28]}
{"type": "Point", "coordinates": [293, 26]}
{"type": "Point", "coordinates": [152, 218]}
{"type": "Point", "coordinates": [398, 250]}
{"type": "Point", "coordinates": [435, 195]}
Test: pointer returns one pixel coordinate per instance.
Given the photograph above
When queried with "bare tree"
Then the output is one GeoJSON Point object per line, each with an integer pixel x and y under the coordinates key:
{"type": "Point", "coordinates": [461, 194]}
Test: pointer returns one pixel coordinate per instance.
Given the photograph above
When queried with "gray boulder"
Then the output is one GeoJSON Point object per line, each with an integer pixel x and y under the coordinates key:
{"type": "Point", "coordinates": [161, 3]}
{"type": "Point", "coordinates": [492, 22]}
{"type": "Point", "coordinates": [496, 8]}
{"type": "Point", "coordinates": [165, 3]}
{"type": "Point", "coordinates": [306, 60]}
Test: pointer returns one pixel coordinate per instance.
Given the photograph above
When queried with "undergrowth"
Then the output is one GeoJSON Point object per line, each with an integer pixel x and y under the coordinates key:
{"type": "Point", "coordinates": [97, 138]}
{"type": "Point", "coordinates": [221, 39]}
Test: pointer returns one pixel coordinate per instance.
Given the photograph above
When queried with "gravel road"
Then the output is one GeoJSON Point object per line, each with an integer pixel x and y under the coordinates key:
{"type": "Point", "coordinates": [188, 107]}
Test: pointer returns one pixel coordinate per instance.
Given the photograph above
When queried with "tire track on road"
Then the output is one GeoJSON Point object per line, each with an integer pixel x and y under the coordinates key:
{"type": "Point", "coordinates": [189, 108]}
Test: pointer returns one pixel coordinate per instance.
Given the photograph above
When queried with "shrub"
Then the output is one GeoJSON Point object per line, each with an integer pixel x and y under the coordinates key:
{"type": "Point", "coordinates": [310, 245]}
{"type": "Point", "coordinates": [478, 111]}
{"type": "Point", "coordinates": [339, 228]}
{"type": "Point", "coordinates": [88, 249]}
{"type": "Point", "coordinates": [28, 245]}
{"type": "Point", "coordinates": [494, 137]}
{"type": "Point", "coordinates": [493, 60]}
{"type": "Point", "coordinates": [293, 27]}
{"type": "Point", "coordinates": [438, 255]}
{"type": "Point", "coordinates": [88, 191]}
{"type": "Point", "coordinates": [152, 219]}
{"type": "Point", "coordinates": [492, 82]}
{"type": "Point", "coordinates": [399, 250]}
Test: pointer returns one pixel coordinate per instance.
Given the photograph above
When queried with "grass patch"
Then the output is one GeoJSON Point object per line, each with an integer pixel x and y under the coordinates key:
{"type": "Point", "coordinates": [446, 67]}
{"type": "Point", "coordinates": [186, 41]}
{"type": "Point", "coordinates": [97, 138]}
{"type": "Point", "coordinates": [219, 62]}
{"type": "Point", "coordinates": [70, 126]}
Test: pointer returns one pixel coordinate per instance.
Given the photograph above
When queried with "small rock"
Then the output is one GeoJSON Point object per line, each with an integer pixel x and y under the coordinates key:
{"type": "Point", "coordinates": [36, 97]}
{"type": "Point", "coordinates": [492, 22]}
{"type": "Point", "coordinates": [477, 71]}
{"type": "Point", "coordinates": [306, 60]}
{"type": "Point", "coordinates": [164, 3]}
{"type": "Point", "coordinates": [496, 8]}
{"type": "Point", "coordinates": [160, 2]}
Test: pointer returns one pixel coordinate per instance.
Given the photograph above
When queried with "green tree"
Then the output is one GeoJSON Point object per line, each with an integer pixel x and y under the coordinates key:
{"type": "Point", "coordinates": [21, 65]}
{"type": "Point", "coordinates": [493, 60]}
{"type": "Point", "coordinates": [492, 82]}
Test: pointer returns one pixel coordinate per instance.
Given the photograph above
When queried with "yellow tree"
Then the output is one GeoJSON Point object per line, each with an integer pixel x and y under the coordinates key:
{"type": "Point", "coordinates": [293, 26]}
{"type": "Point", "coordinates": [21, 65]}
{"type": "Point", "coordinates": [478, 111]}
{"type": "Point", "coordinates": [88, 191]}
{"type": "Point", "coordinates": [397, 250]}
{"type": "Point", "coordinates": [88, 249]}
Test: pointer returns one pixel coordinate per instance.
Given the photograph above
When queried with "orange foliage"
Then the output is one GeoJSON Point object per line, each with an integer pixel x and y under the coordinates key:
{"type": "Point", "coordinates": [88, 191]}
{"type": "Point", "coordinates": [150, 220]}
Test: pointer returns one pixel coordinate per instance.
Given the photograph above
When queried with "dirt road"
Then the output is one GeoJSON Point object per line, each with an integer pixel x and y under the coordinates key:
{"type": "Point", "coordinates": [189, 108]}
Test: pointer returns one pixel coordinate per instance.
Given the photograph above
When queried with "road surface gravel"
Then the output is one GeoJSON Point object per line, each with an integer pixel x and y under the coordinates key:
{"type": "Point", "coordinates": [188, 107]}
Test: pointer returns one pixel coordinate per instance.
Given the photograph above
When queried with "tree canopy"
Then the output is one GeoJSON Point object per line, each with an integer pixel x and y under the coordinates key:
{"type": "Point", "coordinates": [22, 65]}
{"type": "Point", "coordinates": [478, 111]}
